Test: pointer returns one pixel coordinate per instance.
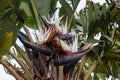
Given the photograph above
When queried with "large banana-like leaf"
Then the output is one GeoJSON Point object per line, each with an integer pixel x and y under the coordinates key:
{"type": "Point", "coordinates": [68, 10]}
{"type": "Point", "coordinates": [53, 4]}
{"type": "Point", "coordinates": [43, 6]}
{"type": "Point", "coordinates": [5, 43]}
{"type": "Point", "coordinates": [75, 4]}
{"type": "Point", "coordinates": [8, 24]}
{"type": "Point", "coordinates": [27, 14]}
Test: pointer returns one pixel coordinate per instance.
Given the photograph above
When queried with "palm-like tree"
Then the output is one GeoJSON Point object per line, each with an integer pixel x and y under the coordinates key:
{"type": "Point", "coordinates": [50, 55]}
{"type": "Point", "coordinates": [106, 25]}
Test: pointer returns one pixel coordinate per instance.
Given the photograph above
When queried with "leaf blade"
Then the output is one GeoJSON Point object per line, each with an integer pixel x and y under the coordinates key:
{"type": "Point", "coordinates": [5, 43]}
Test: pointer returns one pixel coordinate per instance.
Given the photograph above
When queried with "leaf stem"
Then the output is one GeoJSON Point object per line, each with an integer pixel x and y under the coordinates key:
{"type": "Point", "coordinates": [78, 73]}
{"type": "Point", "coordinates": [35, 13]}
{"type": "Point", "coordinates": [24, 56]}
{"type": "Point", "coordinates": [28, 33]}
{"type": "Point", "coordinates": [69, 24]}
{"type": "Point", "coordinates": [17, 77]}
{"type": "Point", "coordinates": [90, 70]}
{"type": "Point", "coordinates": [28, 76]}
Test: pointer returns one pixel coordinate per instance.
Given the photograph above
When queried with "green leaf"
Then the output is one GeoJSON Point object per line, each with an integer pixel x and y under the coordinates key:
{"type": "Point", "coordinates": [66, 10]}
{"type": "Point", "coordinates": [90, 15]}
{"type": "Point", "coordinates": [75, 4]}
{"type": "Point", "coordinates": [30, 22]}
{"type": "Point", "coordinates": [27, 14]}
{"type": "Point", "coordinates": [112, 55]}
{"type": "Point", "coordinates": [101, 76]}
{"type": "Point", "coordinates": [43, 7]}
{"type": "Point", "coordinates": [92, 40]}
{"type": "Point", "coordinates": [8, 24]}
{"type": "Point", "coordinates": [83, 20]}
{"type": "Point", "coordinates": [16, 3]}
{"type": "Point", "coordinates": [96, 12]}
{"type": "Point", "coordinates": [3, 5]}
{"type": "Point", "coordinates": [53, 4]}
{"type": "Point", "coordinates": [5, 43]}
{"type": "Point", "coordinates": [26, 7]}
{"type": "Point", "coordinates": [64, 14]}
{"type": "Point", "coordinates": [108, 38]}
{"type": "Point", "coordinates": [103, 10]}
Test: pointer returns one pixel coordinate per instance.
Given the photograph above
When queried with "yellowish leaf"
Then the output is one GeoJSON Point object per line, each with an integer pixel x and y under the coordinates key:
{"type": "Point", "coordinates": [5, 43]}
